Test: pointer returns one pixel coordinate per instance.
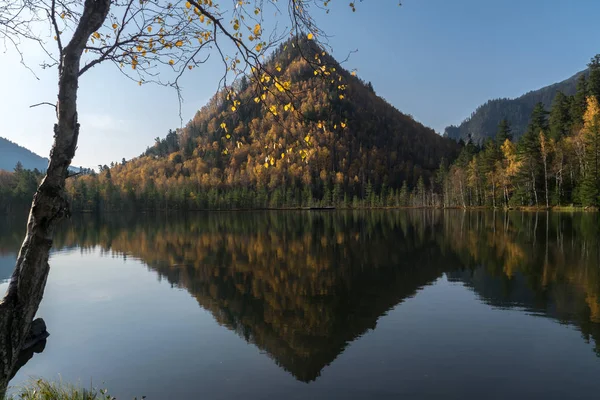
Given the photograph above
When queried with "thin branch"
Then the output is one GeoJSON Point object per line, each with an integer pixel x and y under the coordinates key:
{"type": "Point", "coordinates": [52, 16]}
{"type": "Point", "coordinates": [45, 103]}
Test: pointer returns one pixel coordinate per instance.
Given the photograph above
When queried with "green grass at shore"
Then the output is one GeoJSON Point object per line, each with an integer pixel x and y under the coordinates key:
{"type": "Point", "coordinates": [41, 389]}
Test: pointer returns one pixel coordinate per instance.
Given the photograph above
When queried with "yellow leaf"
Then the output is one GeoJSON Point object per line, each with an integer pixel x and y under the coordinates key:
{"type": "Point", "coordinates": [96, 35]}
{"type": "Point", "coordinates": [341, 97]}
{"type": "Point", "coordinates": [353, 73]}
{"type": "Point", "coordinates": [171, 62]}
{"type": "Point", "coordinates": [228, 136]}
{"type": "Point", "coordinates": [256, 100]}
{"type": "Point", "coordinates": [179, 43]}
{"type": "Point", "coordinates": [266, 165]}
{"type": "Point", "coordinates": [190, 67]}
{"type": "Point", "coordinates": [114, 26]}
{"type": "Point", "coordinates": [233, 108]}
{"type": "Point", "coordinates": [188, 5]}
{"type": "Point", "coordinates": [257, 30]}
{"type": "Point", "coordinates": [310, 36]}
{"type": "Point", "coordinates": [258, 47]}
{"type": "Point", "coordinates": [282, 156]}
{"type": "Point", "coordinates": [149, 29]}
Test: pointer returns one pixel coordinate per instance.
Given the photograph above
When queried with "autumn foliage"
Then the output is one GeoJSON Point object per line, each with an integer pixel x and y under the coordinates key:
{"type": "Point", "coordinates": [304, 132]}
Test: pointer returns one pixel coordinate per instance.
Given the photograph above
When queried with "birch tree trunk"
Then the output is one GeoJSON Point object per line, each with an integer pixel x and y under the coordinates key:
{"type": "Point", "coordinates": [49, 206]}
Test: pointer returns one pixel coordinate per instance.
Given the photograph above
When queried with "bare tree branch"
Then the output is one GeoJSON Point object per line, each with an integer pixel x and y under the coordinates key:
{"type": "Point", "coordinates": [45, 103]}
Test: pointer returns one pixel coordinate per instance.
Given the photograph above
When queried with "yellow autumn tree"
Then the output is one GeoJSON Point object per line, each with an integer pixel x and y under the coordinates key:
{"type": "Point", "coordinates": [590, 190]}
{"type": "Point", "coordinates": [511, 166]}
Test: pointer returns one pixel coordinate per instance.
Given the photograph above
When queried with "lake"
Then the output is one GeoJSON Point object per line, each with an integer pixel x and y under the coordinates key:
{"type": "Point", "coordinates": [322, 305]}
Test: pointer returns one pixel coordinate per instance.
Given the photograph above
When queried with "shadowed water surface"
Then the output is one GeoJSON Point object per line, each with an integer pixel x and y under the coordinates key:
{"type": "Point", "coordinates": [384, 304]}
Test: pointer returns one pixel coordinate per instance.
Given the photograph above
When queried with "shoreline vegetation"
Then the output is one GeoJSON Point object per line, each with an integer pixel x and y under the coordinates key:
{"type": "Point", "coordinates": [42, 389]}
{"type": "Point", "coordinates": [368, 208]}
{"type": "Point", "coordinates": [553, 165]}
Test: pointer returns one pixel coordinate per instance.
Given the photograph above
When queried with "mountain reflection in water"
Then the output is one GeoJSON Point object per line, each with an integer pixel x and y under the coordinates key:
{"type": "Point", "coordinates": [302, 285]}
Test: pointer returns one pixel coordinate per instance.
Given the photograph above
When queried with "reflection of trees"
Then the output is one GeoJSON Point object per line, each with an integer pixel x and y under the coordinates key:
{"type": "Point", "coordinates": [302, 285]}
{"type": "Point", "coordinates": [298, 285]}
{"type": "Point", "coordinates": [544, 263]}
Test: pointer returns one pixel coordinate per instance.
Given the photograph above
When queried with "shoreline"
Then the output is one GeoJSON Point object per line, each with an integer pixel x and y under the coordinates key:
{"type": "Point", "coordinates": [332, 208]}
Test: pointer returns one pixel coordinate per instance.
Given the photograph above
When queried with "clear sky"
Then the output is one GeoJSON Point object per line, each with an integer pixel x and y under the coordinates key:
{"type": "Point", "coordinates": [435, 59]}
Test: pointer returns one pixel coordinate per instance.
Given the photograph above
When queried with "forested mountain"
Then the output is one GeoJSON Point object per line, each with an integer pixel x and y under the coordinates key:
{"type": "Point", "coordinates": [11, 153]}
{"type": "Point", "coordinates": [555, 162]}
{"type": "Point", "coordinates": [483, 123]}
{"type": "Point", "coordinates": [305, 132]}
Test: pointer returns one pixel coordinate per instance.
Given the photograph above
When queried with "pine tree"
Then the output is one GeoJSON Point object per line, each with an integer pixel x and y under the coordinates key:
{"type": "Point", "coordinates": [404, 195]}
{"type": "Point", "coordinates": [579, 102]}
{"type": "Point", "coordinates": [530, 155]}
{"type": "Point", "coordinates": [504, 132]}
{"type": "Point", "coordinates": [594, 79]}
{"type": "Point", "coordinates": [369, 193]}
{"type": "Point", "coordinates": [560, 116]}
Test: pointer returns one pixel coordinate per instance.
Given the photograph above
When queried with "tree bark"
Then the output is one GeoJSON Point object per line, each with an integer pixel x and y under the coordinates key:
{"type": "Point", "coordinates": [49, 206]}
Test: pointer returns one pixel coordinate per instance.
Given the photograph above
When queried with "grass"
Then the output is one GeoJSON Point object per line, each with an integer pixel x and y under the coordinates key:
{"type": "Point", "coordinates": [41, 389]}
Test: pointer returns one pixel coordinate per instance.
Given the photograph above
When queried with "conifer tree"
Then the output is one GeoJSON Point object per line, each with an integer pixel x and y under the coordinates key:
{"type": "Point", "coordinates": [560, 116]}
{"type": "Point", "coordinates": [504, 132]}
{"type": "Point", "coordinates": [594, 79]}
{"type": "Point", "coordinates": [530, 155]}
{"type": "Point", "coordinates": [579, 102]}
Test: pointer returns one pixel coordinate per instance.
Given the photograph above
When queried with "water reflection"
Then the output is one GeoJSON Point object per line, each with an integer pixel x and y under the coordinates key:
{"type": "Point", "coordinates": [302, 285]}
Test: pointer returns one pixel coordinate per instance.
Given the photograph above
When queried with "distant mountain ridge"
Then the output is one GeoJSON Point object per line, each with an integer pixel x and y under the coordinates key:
{"type": "Point", "coordinates": [483, 122]}
{"type": "Point", "coordinates": [11, 153]}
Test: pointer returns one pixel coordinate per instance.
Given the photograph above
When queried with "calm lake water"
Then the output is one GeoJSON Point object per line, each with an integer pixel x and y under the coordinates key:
{"type": "Point", "coordinates": [322, 305]}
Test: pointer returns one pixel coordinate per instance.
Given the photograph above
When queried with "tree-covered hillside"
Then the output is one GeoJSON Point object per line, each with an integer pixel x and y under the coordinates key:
{"type": "Point", "coordinates": [483, 123]}
{"type": "Point", "coordinates": [556, 162]}
{"type": "Point", "coordinates": [11, 153]}
{"type": "Point", "coordinates": [306, 132]}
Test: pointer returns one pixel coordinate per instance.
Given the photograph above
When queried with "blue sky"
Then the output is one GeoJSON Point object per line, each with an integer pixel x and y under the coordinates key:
{"type": "Point", "coordinates": [435, 59]}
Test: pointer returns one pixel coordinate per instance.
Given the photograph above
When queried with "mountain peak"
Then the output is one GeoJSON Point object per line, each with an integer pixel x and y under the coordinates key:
{"type": "Point", "coordinates": [302, 131]}
{"type": "Point", "coordinates": [328, 116]}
